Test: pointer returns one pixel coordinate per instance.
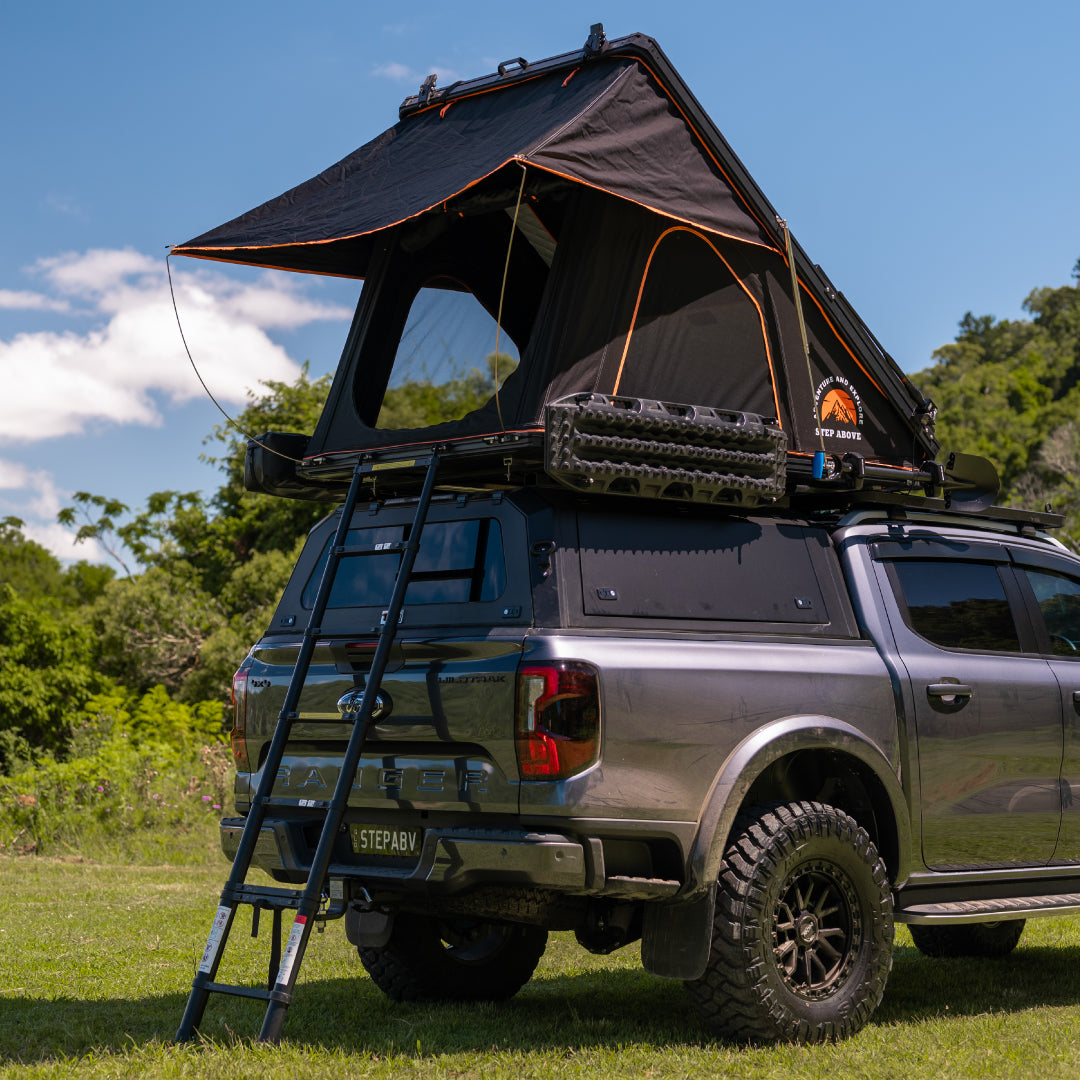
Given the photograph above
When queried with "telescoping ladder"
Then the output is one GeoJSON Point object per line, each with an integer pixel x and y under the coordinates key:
{"type": "Point", "coordinates": [306, 901]}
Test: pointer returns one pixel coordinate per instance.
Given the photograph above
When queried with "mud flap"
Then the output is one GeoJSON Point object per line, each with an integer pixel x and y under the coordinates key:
{"type": "Point", "coordinates": [676, 938]}
{"type": "Point", "coordinates": [368, 929]}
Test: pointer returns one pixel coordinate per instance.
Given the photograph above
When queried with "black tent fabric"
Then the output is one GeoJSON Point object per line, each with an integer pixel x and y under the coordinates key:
{"type": "Point", "coordinates": [588, 205]}
{"type": "Point", "coordinates": [608, 125]}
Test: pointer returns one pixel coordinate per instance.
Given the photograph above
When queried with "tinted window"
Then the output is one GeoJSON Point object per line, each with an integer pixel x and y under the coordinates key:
{"type": "Point", "coordinates": [960, 605]}
{"type": "Point", "coordinates": [1059, 602]}
{"type": "Point", "coordinates": [458, 562]}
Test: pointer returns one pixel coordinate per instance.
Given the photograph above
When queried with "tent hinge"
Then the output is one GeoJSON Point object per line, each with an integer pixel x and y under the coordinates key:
{"type": "Point", "coordinates": [597, 40]}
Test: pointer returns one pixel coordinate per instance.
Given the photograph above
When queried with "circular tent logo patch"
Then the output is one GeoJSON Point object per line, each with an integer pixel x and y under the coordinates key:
{"type": "Point", "coordinates": [839, 409]}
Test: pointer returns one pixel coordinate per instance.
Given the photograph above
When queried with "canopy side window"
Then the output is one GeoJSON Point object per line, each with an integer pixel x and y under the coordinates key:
{"type": "Point", "coordinates": [697, 324]}
{"type": "Point", "coordinates": [458, 562]}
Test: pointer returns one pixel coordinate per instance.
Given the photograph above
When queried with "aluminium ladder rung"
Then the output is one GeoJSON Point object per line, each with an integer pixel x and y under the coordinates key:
{"type": "Point", "coordinates": [237, 991]}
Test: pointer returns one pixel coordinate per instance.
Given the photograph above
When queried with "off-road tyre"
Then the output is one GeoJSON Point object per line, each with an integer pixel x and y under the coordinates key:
{"type": "Point", "coordinates": [988, 939]}
{"type": "Point", "coordinates": [458, 959]}
{"type": "Point", "coordinates": [803, 930]}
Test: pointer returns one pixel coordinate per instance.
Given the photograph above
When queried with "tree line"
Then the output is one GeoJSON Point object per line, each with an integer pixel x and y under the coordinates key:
{"type": "Point", "coordinates": [195, 579]}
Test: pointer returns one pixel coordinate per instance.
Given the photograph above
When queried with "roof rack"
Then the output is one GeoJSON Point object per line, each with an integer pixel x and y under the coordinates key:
{"type": "Point", "coordinates": [598, 445]}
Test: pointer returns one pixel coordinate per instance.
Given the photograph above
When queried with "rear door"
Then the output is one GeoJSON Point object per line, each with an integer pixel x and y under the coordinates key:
{"type": "Point", "coordinates": [443, 738]}
{"type": "Point", "coordinates": [1053, 584]}
{"type": "Point", "coordinates": [987, 709]}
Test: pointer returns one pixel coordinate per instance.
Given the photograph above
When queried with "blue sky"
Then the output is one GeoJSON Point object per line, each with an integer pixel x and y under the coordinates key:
{"type": "Point", "coordinates": [925, 154]}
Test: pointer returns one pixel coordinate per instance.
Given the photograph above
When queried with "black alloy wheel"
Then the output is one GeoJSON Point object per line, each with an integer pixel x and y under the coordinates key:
{"type": "Point", "coordinates": [803, 930]}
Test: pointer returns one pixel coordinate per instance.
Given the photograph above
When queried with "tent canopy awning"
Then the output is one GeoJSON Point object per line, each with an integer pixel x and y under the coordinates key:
{"type": "Point", "coordinates": [607, 124]}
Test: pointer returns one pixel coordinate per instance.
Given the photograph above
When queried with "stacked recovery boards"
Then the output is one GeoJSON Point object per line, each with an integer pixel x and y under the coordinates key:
{"type": "Point", "coordinates": [590, 206]}
{"type": "Point", "coordinates": [589, 210]}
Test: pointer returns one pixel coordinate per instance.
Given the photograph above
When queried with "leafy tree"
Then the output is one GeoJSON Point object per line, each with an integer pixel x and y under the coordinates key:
{"type": "Point", "coordinates": [47, 674]}
{"type": "Point", "coordinates": [1010, 391]}
{"type": "Point", "coordinates": [212, 570]}
{"type": "Point", "coordinates": [35, 573]}
{"type": "Point", "coordinates": [149, 629]}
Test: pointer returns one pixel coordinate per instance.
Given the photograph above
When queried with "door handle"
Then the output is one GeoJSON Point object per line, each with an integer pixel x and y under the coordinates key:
{"type": "Point", "coordinates": [947, 690]}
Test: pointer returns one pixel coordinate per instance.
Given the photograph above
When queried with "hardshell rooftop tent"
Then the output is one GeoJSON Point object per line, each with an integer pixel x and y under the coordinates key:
{"type": "Point", "coordinates": [588, 209]}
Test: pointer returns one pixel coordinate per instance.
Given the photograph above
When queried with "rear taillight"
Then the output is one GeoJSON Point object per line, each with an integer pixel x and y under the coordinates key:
{"type": "Point", "coordinates": [558, 719]}
{"type": "Point", "coordinates": [238, 735]}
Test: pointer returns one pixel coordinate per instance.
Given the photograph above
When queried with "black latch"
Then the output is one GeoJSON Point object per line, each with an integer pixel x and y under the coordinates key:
{"type": "Point", "coordinates": [542, 551]}
{"type": "Point", "coordinates": [597, 39]}
{"type": "Point", "coordinates": [427, 88]}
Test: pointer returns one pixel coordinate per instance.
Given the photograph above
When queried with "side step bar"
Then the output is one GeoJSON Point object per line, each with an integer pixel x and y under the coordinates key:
{"type": "Point", "coordinates": [1007, 907]}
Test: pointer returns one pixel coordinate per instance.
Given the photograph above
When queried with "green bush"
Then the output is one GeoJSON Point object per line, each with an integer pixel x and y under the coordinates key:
{"type": "Point", "coordinates": [146, 778]}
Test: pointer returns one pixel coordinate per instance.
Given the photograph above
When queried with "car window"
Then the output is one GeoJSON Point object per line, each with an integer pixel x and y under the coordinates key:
{"type": "Point", "coordinates": [458, 562]}
{"type": "Point", "coordinates": [957, 604]}
{"type": "Point", "coordinates": [1058, 597]}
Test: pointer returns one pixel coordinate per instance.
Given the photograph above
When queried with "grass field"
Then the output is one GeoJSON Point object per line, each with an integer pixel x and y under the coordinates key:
{"type": "Point", "coordinates": [96, 960]}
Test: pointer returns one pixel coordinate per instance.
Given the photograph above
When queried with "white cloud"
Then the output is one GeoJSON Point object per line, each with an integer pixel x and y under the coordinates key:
{"type": "Point", "coordinates": [32, 496]}
{"type": "Point", "coordinates": [23, 300]}
{"type": "Point", "coordinates": [397, 72]}
{"type": "Point", "coordinates": [400, 73]}
{"type": "Point", "coordinates": [58, 382]}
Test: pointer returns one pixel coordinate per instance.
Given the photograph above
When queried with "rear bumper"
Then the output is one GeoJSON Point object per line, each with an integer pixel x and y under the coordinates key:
{"type": "Point", "coordinates": [450, 860]}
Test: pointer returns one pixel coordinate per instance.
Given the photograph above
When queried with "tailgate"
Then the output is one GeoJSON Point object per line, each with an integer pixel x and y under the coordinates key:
{"type": "Point", "coordinates": [444, 733]}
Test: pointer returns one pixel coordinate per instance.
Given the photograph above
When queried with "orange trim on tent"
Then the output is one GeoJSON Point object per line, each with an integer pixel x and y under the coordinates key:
{"type": "Point", "coordinates": [517, 157]}
{"type": "Point", "coordinates": [178, 250]}
{"type": "Point", "coordinates": [739, 282]}
{"type": "Point", "coordinates": [705, 145]}
{"type": "Point", "coordinates": [194, 254]}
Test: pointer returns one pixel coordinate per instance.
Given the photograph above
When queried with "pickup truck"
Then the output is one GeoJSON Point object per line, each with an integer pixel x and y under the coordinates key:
{"type": "Point", "coordinates": [751, 739]}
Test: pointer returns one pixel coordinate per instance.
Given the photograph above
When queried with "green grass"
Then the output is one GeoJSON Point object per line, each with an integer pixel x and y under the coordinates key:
{"type": "Point", "coordinates": [96, 960]}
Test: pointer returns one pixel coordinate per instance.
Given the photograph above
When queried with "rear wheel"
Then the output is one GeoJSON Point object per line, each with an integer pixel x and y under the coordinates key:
{"type": "Point", "coordinates": [429, 959]}
{"type": "Point", "coordinates": [968, 939]}
{"type": "Point", "coordinates": [803, 932]}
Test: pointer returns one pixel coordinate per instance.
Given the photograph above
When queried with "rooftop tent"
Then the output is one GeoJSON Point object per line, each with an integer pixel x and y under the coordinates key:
{"type": "Point", "coordinates": [585, 213]}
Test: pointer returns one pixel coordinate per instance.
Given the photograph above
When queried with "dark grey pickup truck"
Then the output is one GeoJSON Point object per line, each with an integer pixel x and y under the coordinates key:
{"type": "Point", "coordinates": [753, 740]}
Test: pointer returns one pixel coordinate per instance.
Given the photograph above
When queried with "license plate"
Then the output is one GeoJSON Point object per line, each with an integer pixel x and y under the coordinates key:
{"type": "Point", "coordinates": [383, 840]}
